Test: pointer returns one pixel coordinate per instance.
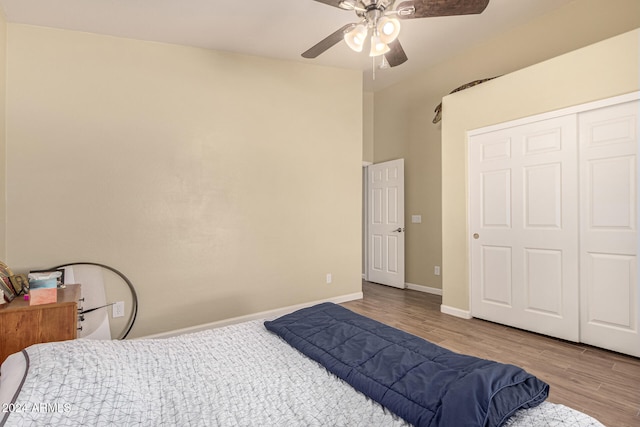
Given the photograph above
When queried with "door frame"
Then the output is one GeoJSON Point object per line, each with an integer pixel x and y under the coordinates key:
{"type": "Point", "coordinates": [365, 222]}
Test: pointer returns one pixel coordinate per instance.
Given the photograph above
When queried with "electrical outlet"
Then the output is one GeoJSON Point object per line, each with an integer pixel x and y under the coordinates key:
{"type": "Point", "coordinates": [118, 309]}
{"type": "Point", "coordinates": [329, 278]}
{"type": "Point", "coordinates": [436, 270]}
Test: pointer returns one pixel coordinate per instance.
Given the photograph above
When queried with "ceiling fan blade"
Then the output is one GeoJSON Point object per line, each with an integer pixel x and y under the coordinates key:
{"type": "Point", "coordinates": [328, 42]}
{"type": "Point", "coordinates": [396, 55]}
{"type": "Point", "coordinates": [334, 3]}
{"type": "Point", "coordinates": [431, 8]}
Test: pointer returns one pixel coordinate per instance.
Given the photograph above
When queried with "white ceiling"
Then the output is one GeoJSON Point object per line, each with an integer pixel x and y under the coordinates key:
{"type": "Point", "coordinates": [275, 28]}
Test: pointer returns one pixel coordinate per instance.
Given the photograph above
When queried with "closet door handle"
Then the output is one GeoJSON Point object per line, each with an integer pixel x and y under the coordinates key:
{"type": "Point", "coordinates": [476, 236]}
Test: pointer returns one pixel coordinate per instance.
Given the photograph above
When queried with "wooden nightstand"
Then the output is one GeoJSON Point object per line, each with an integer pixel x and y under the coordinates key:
{"type": "Point", "coordinates": [22, 325]}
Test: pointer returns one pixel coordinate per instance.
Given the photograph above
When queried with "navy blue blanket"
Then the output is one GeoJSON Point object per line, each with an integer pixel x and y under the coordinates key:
{"type": "Point", "coordinates": [423, 383]}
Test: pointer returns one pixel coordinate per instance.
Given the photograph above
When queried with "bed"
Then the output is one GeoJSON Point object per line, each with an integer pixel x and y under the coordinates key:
{"type": "Point", "coordinates": [264, 373]}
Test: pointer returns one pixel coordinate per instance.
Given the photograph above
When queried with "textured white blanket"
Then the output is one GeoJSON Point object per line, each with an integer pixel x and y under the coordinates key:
{"type": "Point", "coordinates": [240, 375]}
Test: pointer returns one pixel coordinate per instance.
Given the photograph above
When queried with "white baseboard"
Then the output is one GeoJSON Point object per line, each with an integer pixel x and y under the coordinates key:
{"type": "Point", "coordinates": [465, 314]}
{"type": "Point", "coordinates": [423, 288]}
{"type": "Point", "coordinates": [269, 314]}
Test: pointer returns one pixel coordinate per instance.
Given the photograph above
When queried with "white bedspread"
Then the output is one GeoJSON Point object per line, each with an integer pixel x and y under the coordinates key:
{"type": "Point", "coordinates": [239, 375]}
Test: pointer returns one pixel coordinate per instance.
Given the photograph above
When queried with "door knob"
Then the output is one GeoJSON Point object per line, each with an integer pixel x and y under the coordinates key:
{"type": "Point", "coordinates": [399, 230]}
{"type": "Point", "coordinates": [476, 236]}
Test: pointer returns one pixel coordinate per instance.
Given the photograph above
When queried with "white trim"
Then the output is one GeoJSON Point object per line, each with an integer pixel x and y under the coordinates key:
{"type": "Point", "coordinates": [464, 314]}
{"type": "Point", "coordinates": [365, 163]}
{"type": "Point", "coordinates": [423, 288]}
{"type": "Point", "coordinates": [558, 113]}
{"type": "Point", "coordinates": [269, 314]}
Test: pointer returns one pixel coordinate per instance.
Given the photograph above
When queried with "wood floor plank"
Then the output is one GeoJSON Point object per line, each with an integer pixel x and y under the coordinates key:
{"type": "Point", "coordinates": [601, 383]}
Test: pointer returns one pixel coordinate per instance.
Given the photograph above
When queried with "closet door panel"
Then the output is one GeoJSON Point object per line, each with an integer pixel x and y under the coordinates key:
{"type": "Point", "coordinates": [609, 222]}
{"type": "Point", "coordinates": [543, 196]}
{"type": "Point", "coordinates": [496, 284]}
{"type": "Point", "coordinates": [611, 193]}
{"type": "Point", "coordinates": [543, 281]}
{"type": "Point", "coordinates": [523, 219]}
{"type": "Point", "coordinates": [610, 287]}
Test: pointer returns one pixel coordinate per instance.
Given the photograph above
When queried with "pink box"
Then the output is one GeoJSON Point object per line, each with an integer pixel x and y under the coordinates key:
{"type": "Point", "coordinates": [43, 292]}
{"type": "Point", "coordinates": [43, 296]}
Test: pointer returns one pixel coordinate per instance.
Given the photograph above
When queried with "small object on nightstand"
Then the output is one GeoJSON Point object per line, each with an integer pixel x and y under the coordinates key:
{"type": "Point", "coordinates": [26, 297]}
{"type": "Point", "coordinates": [43, 291]}
{"type": "Point", "coordinates": [8, 293]}
{"type": "Point", "coordinates": [42, 287]}
{"type": "Point", "coordinates": [20, 283]}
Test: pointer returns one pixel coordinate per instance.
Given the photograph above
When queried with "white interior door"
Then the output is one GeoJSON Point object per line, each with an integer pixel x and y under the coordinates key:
{"type": "Point", "coordinates": [609, 227]}
{"type": "Point", "coordinates": [524, 225]}
{"type": "Point", "coordinates": [385, 223]}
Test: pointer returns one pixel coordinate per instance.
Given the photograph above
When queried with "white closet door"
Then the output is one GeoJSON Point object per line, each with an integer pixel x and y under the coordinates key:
{"type": "Point", "coordinates": [609, 227]}
{"type": "Point", "coordinates": [524, 227]}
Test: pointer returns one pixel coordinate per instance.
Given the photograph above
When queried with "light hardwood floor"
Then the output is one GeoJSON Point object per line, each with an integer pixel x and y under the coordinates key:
{"type": "Point", "coordinates": [603, 384]}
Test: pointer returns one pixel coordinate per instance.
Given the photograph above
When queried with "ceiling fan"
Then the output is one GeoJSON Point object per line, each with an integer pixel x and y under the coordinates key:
{"type": "Point", "coordinates": [379, 22]}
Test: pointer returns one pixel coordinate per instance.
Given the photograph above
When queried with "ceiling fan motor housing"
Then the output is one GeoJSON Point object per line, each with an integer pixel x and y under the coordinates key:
{"type": "Point", "coordinates": [370, 10]}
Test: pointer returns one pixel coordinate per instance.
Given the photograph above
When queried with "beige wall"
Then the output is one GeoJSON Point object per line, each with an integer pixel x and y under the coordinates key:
{"type": "Point", "coordinates": [367, 157]}
{"type": "Point", "coordinates": [367, 126]}
{"type": "Point", "coordinates": [603, 70]}
{"type": "Point", "coordinates": [3, 146]}
{"type": "Point", "coordinates": [403, 112]}
{"type": "Point", "coordinates": [220, 184]}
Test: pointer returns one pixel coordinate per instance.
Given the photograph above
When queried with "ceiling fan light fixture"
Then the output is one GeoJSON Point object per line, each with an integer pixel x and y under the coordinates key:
{"type": "Point", "coordinates": [356, 37]}
{"type": "Point", "coordinates": [388, 29]}
{"type": "Point", "coordinates": [384, 64]}
{"type": "Point", "coordinates": [378, 47]}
